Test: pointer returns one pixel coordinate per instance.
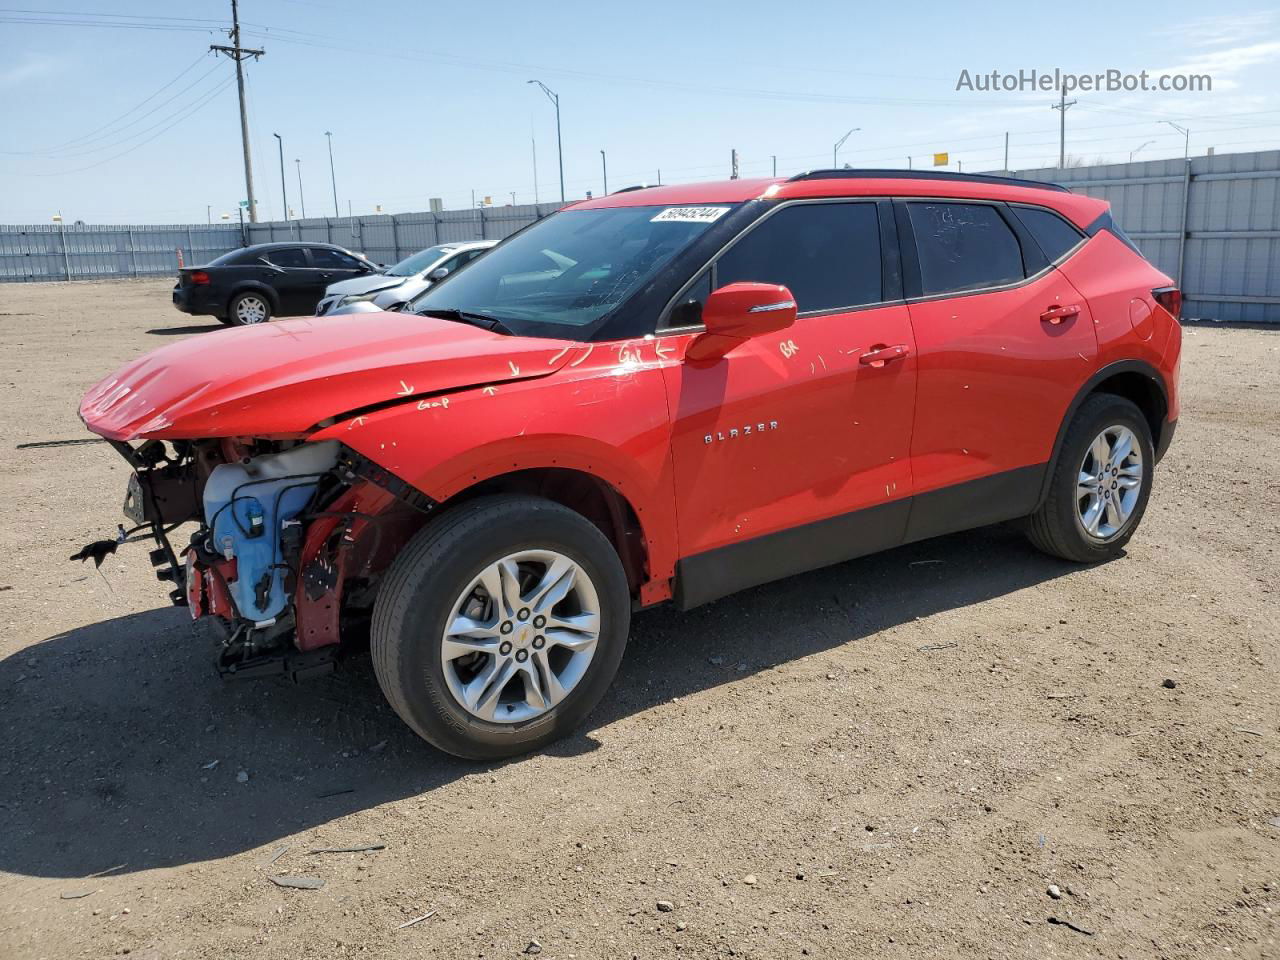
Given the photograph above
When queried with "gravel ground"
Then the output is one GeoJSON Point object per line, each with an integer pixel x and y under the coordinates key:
{"type": "Point", "coordinates": [896, 757]}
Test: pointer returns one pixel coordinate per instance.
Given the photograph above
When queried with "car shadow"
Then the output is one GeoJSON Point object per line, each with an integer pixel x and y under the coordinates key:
{"type": "Point", "coordinates": [188, 329]}
{"type": "Point", "coordinates": [123, 750]}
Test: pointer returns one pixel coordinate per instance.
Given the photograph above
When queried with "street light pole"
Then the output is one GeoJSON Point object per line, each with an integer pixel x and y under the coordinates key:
{"type": "Point", "coordinates": [302, 200]}
{"type": "Point", "coordinates": [332, 179]}
{"type": "Point", "coordinates": [604, 170]}
{"type": "Point", "coordinates": [1186, 137]}
{"type": "Point", "coordinates": [284, 194]}
{"type": "Point", "coordinates": [1134, 153]}
{"type": "Point", "coordinates": [835, 151]}
{"type": "Point", "coordinates": [555, 99]}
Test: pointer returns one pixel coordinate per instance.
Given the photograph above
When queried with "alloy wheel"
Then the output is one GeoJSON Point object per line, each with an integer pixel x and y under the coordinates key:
{"type": "Point", "coordinates": [1109, 484]}
{"type": "Point", "coordinates": [521, 636]}
{"type": "Point", "coordinates": [251, 310]}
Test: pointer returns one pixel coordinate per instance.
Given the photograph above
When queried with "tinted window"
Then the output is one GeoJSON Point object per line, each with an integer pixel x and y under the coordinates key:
{"type": "Point", "coordinates": [964, 246]}
{"type": "Point", "coordinates": [324, 257]}
{"type": "Point", "coordinates": [687, 311]}
{"type": "Point", "coordinates": [827, 254]}
{"type": "Point", "coordinates": [1054, 234]}
{"type": "Point", "coordinates": [233, 257]}
{"type": "Point", "coordinates": [287, 257]}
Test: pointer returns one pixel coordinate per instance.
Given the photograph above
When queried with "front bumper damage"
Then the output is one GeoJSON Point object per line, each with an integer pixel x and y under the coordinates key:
{"type": "Point", "coordinates": [288, 543]}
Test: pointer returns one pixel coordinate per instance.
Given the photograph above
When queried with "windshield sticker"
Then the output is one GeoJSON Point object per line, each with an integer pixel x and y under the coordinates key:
{"type": "Point", "coordinates": [690, 215]}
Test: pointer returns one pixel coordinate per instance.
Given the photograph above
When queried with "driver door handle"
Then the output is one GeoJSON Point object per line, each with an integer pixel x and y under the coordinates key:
{"type": "Point", "coordinates": [1059, 312]}
{"type": "Point", "coordinates": [879, 354]}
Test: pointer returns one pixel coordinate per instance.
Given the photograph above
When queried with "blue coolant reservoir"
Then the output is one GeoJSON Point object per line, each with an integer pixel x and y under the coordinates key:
{"type": "Point", "coordinates": [246, 506]}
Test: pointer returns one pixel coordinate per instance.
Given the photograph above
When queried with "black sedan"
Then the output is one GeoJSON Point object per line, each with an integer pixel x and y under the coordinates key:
{"type": "Point", "coordinates": [253, 284]}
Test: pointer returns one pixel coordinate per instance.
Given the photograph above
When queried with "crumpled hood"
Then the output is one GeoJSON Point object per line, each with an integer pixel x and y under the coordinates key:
{"type": "Point", "coordinates": [358, 285]}
{"type": "Point", "coordinates": [285, 377]}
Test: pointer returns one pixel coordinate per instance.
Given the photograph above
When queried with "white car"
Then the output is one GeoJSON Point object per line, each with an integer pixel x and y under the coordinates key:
{"type": "Point", "coordinates": [405, 280]}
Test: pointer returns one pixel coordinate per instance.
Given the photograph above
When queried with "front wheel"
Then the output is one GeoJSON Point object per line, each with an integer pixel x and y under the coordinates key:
{"type": "Point", "coordinates": [1100, 485]}
{"type": "Point", "coordinates": [500, 626]}
{"type": "Point", "coordinates": [247, 309]}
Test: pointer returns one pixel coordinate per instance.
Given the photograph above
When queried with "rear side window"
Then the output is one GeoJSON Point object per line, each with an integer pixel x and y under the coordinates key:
{"type": "Point", "coordinates": [827, 254]}
{"type": "Point", "coordinates": [287, 257]}
{"type": "Point", "coordinates": [1054, 234]}
{"type": "Point", "coordinates": [963, 246]}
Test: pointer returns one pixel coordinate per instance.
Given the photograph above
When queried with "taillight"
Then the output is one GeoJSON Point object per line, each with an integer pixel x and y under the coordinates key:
{"type": "Point", "coordinates": [1171, 299]}
{"type": "Point", "coordinates": [199, 278]}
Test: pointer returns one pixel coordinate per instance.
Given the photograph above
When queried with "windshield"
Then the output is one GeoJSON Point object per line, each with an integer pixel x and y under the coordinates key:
{"type": "Point", "coordinates": [572, 268]}
{"type": "Point", "coordinates": [418, 262]}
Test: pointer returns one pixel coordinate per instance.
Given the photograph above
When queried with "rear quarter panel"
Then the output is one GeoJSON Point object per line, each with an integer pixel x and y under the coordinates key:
{"type": "Point", "coordinates": [1129, 324]}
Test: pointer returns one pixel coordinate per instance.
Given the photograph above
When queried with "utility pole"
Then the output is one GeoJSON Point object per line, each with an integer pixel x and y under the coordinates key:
{"type": "Point", "coordinates": [909, 167]}
{"type": "Point", "coordinates": [555, 99]}
{"type": "Point", "coordinates": [332, 179]}
{"type": "Point", "coordinates": [1061, 106]}
{"type": "Point", "coordinates": [208, 214]}
{"type": "Point", "coordinates": [604, 171]}
{"type": "Point", "coordinates": [238, 53]}
{"type": "Point", "coordinates": [1006, 151]}
{"type": "Point", "coordinates": [1186, 137]}
{"type": "Point", "coordinates": [284, 194]}
{"type": "Point", "coordinates": [774, 158]}
{"type": "Point", "coordinates": [302, 200]}
{"type": "Point", "coordinates": [733, 164]}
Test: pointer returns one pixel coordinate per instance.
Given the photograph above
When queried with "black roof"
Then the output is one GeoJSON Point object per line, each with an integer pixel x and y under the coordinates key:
{"type": "Point", "coordinates": [281, 244]}
{"type": "Point", "coordinates": [871, 174]}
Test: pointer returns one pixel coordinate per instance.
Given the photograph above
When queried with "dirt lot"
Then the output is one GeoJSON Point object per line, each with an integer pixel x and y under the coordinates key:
{"type": "Point", "coordinates": [891, 758]}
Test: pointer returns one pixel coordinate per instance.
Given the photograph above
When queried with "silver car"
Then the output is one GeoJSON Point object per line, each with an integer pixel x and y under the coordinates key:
{"type": "Point", "coordinates": [404, 281]}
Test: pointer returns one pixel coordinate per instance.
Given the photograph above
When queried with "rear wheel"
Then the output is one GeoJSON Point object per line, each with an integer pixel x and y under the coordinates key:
{"type": "Point", "coordinates": [500, 626]}
{"type": "Point", "coordinates": [1100, 486]}
{"type": "Point", "coordinates": [249, 308]}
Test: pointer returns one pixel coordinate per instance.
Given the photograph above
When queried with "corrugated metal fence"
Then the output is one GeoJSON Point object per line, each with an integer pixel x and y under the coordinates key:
{"type": "Point", "coordinates": [87, 252]}
{"type": "Point", "coordinates": [1211, 222]}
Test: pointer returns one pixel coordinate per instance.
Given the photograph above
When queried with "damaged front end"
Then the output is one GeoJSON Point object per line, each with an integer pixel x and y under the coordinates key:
{"type": "Point", "coordinates": [290, 540]}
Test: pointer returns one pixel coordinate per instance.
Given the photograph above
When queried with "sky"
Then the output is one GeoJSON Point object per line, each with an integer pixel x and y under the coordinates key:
{"type": "Point", "coordinates": [115, 111]}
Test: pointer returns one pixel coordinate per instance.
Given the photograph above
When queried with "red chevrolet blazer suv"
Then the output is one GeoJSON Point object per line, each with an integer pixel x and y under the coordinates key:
{"type": "Point", "coordinates": [665, 394]}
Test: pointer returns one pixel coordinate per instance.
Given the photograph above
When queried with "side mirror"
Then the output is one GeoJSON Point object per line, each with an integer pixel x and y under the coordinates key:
{"type": "Point", "coordinates": [735, 313]}
{"type": "Point", "coordinates": [439, 273]}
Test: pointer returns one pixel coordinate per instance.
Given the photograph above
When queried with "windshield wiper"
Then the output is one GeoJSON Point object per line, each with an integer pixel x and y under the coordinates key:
{"type": "Point", "coordinates": [481, 320]}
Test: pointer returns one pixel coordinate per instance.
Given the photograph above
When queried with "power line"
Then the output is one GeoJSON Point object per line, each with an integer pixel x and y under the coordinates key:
{"type": "Point", "coordinates": [192, 111]}
{"type": "Point", "coordinates": [68, 143]}
{"type": "Point", "coordinates": [81, 148]}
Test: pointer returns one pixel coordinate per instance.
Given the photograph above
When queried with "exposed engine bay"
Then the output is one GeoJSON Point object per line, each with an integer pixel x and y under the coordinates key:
{"type": "Point", "coordinates": [290, 540]}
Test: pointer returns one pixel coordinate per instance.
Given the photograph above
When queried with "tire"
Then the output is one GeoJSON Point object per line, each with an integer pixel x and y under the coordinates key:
{"type": "Point", "coordinates": [1059, 527]}
{"type": "Point", "coordinates": [249, 308]}
{"type": "Point", "coordinates": [427, 588]}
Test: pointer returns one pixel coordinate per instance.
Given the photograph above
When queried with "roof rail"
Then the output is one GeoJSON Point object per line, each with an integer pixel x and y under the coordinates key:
{"type": "Point", "coordinates": [873, 174]}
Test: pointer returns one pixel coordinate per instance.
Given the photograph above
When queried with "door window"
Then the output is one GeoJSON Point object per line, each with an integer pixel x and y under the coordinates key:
{"type": "Point", "coordinates": [332, 260]}
{"type": "Point", "coordinates": [964, 246]}
{"type": "Point", "coordinates": [287, 257]}
{"type": "Point", "coordinates": [827, 254]}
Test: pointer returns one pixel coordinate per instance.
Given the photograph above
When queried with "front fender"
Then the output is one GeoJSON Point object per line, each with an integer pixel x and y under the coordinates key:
{"type": "Point", "coordinates": [606, 419]}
